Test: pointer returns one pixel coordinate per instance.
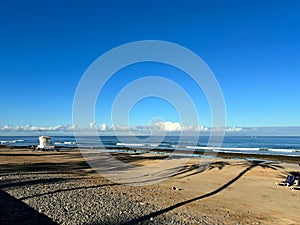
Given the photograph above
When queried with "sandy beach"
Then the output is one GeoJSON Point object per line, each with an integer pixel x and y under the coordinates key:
{"type": "Point", "coordinates": [61, 188]}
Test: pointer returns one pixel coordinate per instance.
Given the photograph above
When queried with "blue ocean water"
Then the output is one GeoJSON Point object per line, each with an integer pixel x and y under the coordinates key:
{"type": "Point", "coordinates": [265, 145]}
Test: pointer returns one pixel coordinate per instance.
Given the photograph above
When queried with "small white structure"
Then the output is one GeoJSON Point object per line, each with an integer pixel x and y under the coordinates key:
{"type": "Point", "coordinates": [45, 143]}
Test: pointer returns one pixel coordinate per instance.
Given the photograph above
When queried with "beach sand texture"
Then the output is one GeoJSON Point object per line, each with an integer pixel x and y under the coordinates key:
{"type": "Point", "coordinates": [61, 188]}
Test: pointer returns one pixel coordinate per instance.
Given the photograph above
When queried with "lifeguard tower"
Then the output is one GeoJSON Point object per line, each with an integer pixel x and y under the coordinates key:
{"type": "Point", "coordinates": [45, 143]}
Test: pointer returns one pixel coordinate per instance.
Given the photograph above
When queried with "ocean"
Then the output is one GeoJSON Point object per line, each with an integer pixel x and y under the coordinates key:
{"type": "Point", "coordinates": [263, 145]}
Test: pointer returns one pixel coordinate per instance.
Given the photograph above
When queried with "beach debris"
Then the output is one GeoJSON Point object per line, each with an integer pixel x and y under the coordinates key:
{"type": "Point", "coordinates": [175, 189]}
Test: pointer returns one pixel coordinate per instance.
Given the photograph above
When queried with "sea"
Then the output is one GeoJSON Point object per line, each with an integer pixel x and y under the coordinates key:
{"type": "Point", "coordinates": [263, 145]}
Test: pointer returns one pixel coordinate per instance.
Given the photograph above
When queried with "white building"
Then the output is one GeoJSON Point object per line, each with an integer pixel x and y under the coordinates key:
{"type": "Point", "coordinates": [45, 143]}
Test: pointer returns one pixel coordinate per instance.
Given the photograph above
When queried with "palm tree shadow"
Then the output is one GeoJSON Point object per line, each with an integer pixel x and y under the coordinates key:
{"type": "Point", "coordinates": [250, 164]}
{"type": "Point", "coordinates": [196, 169]}
{"type": "Point", "coordinates": [193, 169]}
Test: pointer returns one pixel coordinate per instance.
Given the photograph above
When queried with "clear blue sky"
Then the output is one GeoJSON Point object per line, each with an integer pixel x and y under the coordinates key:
{"type": "Point", "coordinates": [253, 48]}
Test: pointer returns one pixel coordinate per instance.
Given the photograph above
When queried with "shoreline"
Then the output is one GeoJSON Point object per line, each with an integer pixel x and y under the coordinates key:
{"type": "Point", "coordinates": [180, 153]}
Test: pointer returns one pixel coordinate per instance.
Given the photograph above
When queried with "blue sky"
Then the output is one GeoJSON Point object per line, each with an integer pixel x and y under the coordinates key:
{"type": "Point", "coordinates": [253, 48]}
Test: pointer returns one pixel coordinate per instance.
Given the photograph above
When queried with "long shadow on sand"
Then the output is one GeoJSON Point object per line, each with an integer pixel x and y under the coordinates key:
{"type": "Point", "coordinates": [68, 189]}
{"type": "Point", "coordinates": [13, 211]}
{"type": "Point", "coordinates": [249, 166]}
{"type": "Point", "coordinates": [13, 184]}
{"type": "Point", "coordinates": [75, 168]}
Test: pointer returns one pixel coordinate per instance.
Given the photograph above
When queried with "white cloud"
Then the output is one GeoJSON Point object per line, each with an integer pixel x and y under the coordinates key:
{"type": "Point", "coordinates": [194, 128]}
{"type": "Point", "coordinates": [72, 127]}
{"type": "Point", "coordinates": [29, 127]}
{"type": "Point", "coordinates": [166, 126]}
{"type": "Point", "coordinates": [103, 127]}
{"type": "Point", "coordinates": [6, 127]}
{"type": "Point", "coordinates": [234, 129]}
{"type": "Point", "coordinates": [92, 125]}
{"type": "Point", "coordinates": [115, 127]}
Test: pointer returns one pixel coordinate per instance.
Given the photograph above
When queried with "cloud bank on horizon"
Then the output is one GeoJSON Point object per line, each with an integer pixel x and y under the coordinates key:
{"type": "Point", "coordinates": [167, 126]}
{"type": "Point", "coordinates": [163, 127]}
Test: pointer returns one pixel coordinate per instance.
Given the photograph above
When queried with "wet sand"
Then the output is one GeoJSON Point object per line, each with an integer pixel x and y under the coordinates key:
{"type": "Point", "coordinates": [60, 187]}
